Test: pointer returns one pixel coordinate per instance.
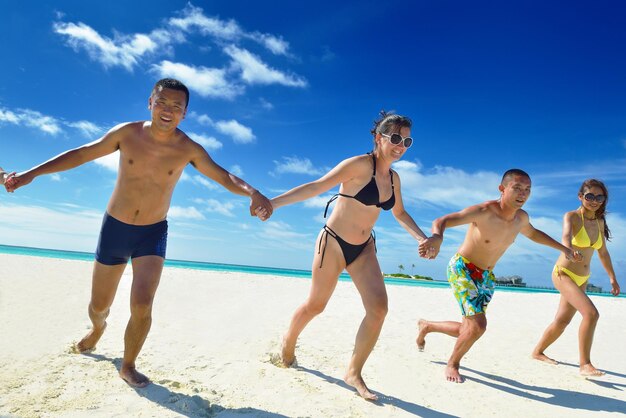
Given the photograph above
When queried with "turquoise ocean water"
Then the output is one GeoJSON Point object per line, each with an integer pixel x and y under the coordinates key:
{"type": "Point", "coordinates": [303, 274]}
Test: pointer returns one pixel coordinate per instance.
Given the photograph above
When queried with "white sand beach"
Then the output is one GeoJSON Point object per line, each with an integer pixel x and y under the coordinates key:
{"type": "Point", "coordinates": [213, 333]}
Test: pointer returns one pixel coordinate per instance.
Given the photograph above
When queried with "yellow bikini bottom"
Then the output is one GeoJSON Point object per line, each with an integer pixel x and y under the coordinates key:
{"type": "Point", "coordinates": [579, 280]}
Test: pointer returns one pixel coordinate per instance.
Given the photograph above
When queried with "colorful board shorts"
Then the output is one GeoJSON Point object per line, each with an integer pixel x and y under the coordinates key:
{"type": "Point", "coordinates": [120, 241]}
{"type": "Point", "coordinates": [472, 286]}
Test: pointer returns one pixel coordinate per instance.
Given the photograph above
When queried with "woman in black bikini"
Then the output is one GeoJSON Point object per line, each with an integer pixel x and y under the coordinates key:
{"type": "Point", "coordinates": [367, 185]}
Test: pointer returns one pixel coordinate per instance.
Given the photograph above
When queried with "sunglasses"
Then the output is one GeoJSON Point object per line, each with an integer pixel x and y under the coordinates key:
{"type": "Point", "coordinates": [590, 197]}
{"type": "Point", "coordinates": [396, 139]}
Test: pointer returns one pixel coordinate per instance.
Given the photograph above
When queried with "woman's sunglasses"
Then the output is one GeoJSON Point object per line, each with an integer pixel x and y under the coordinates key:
{"type": "Point", "coordinates": [590, 197]}
{"type": "Point", "coordinates": [396, 139]}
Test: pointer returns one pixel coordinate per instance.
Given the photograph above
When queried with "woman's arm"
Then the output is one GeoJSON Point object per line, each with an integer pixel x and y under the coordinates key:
{"type": "Point", "coordinates": [605, 259]}
{"type": "Point", "coordinates": [341, 173]}
{"type": "Point", "coordinates": [403, 217]}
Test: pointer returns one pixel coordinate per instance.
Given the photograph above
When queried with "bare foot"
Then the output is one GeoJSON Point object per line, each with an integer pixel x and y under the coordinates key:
{"type": "Point", "coordinates": [287, 354]}
{"type": "Point", "coordinates": [358, 383]}
{"type": "Point", "coordinates": [133, 377]}
{"type": "Point", "coordinates": [453, 375]}
{"type": "Point", "coordinates": [588, 370]}
{"type": "Point", "coordinates": [543, 357]}
{"type": "Point", "coordinates": [421, 336]}
{"type": "Point", "coordinates": [89, 341]}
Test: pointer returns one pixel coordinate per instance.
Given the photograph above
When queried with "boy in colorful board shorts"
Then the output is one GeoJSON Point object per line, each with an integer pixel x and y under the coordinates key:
{"type": "Point", "coordinates": [493, 226]}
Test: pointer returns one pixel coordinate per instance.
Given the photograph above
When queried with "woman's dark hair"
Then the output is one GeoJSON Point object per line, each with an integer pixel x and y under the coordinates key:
{"type": "Point", "coordinates": [387, 122]}
{"type": "Point", "coordinates": [601, 212]}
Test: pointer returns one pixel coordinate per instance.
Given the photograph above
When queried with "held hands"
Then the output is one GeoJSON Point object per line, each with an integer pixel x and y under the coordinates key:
{"type": "Point", "coordinates": [260, 206]}
{"type": "Point", "coordinates": [429, 248]}
{"type": "Point", "coordinates": [11, 181]}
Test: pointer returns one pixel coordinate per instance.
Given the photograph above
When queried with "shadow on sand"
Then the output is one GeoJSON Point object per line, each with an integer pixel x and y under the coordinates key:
{"type": "Point", "coordinates": [192, 406]}
{"type": "Point", "coordinates": [610, 373]}
{"type": "Point", "coordinates": [383, 399]}
{"type": "Point", "coordinates": [603, 383]}
{"type": "Point", "coordinates": [559, 397]}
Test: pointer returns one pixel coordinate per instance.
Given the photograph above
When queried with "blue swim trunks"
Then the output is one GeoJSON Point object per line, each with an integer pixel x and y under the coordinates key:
{"type": "Point", "coordinates": [473, 287]}
{"type": "Point", "coordinates": [120, 241]}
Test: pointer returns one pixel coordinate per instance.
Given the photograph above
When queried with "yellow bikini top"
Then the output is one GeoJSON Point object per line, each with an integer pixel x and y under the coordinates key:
{"type": "Point", "coordinates": [581, 239]}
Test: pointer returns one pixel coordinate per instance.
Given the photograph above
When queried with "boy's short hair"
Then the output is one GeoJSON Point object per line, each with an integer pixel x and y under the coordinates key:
{"type": "Point", "coordinates": [509, 174]}
{"type": "Point", "coordinates": [172, 84]}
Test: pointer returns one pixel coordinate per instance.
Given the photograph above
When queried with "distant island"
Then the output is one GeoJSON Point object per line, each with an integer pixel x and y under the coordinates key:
{"type": "Point", "coordinates": [505, 281]}
{"type": "Point", "coordinates": [510, 281]}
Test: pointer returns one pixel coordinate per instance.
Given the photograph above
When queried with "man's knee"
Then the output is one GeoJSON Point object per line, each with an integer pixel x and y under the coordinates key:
{"type": "Point", "coordinates": [477, 327]}
{"type": "Point", "coordinates": [99, 308]}
{"type": "Point", "coordinates": [141, 310]}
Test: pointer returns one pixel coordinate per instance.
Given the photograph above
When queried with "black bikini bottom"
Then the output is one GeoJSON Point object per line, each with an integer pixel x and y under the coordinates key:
{"type": "Point", "coordinates": [350, 251]}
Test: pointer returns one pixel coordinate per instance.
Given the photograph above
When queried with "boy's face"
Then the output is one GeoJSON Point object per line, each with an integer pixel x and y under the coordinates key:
{"type": "Point", "coordinates": [516, 191]}
{"type": "Point", "coordinates": [168, 108]}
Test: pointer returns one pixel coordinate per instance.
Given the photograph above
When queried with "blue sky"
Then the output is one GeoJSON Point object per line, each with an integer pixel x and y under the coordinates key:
{"type": "Point", "coordinates": [283, 91]}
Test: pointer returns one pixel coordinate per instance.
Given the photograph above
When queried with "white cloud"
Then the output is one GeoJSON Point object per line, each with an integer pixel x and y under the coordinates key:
{"type": "Point", "coordinates": [281, 230]}
{"type": "Point", "coordinates": [88, 129]}
{"type": "Point", "coordinates": [45, 123]}
{"type": "Point", "coordinates": [203, 181]}
{"type": "Point", "coordinates": [33, 119]}
{"type": "Point", "coordinates": [198, 179]}
{"type": "Point", "coordinates": [236, 170]}
{"type": "Point", "coordinates": [111, 162]}
{"type": "Point", "coordinates": [296, 165]}
{"type": "Point", "coordinates": [203, 119]}
{"type": "Point", "coordinates": [124, 51]}
{"type": "Point", "coordinates": [265, 104]}
{"type": "Point", "coordinates": [318, 202]}
{"type": "Point", "coordinates": [178, 212]}
{"type": "Point", "coordinates": [255, 71]}
{"type": "Point", "coordinates": [240, 133]}
{"type": "Point", "coordinates": [275, 44]}
{"type": "Point", "coordinates": [207, 82]}
{"type": "Point", "coordinates": [193, 19]}
{"type": "Point", "coordinates": [8, 116]}
{"type": "Point", "coordinates": [446, 186]}
{"type": "Point", "coordinates": [222, 207]}
{"type": "Point", "coordinates": [39, 226]}
{"type": "Point", "coordinates": [208, 142]}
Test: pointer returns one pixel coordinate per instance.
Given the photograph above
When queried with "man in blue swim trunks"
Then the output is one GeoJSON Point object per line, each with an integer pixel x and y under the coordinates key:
{"type": "Point", "coordinates": [153, 155]}
{"type": "Point", "coordinates": [493, 226]}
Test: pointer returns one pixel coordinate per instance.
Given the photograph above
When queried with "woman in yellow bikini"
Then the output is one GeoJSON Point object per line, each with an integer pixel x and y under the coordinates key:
{"type": "Point", "coordinates": [585, 231]}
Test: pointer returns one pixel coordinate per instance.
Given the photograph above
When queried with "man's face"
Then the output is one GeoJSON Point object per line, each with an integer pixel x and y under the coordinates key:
{"type": "Point", "coordinates": [516, 191]}
{"type": "Point", "coordinates": [168, 107]}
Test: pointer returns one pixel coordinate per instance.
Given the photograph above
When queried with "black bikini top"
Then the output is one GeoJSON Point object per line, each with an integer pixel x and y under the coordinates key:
{"type": "Point", "coordinates": [368, 195]}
